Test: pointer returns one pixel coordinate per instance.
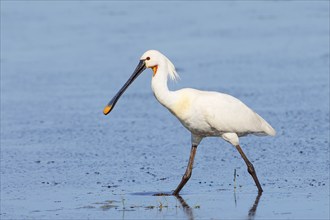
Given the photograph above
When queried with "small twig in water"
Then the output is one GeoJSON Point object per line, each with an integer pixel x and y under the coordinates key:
{"type": "Point", "coordinates": [234, 179]}
{"type": "Point", "coordinates": [123, 202]}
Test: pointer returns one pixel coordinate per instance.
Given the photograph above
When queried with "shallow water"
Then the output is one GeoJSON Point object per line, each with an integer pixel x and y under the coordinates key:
{"type": "Point", "coordinates": [61, 62]}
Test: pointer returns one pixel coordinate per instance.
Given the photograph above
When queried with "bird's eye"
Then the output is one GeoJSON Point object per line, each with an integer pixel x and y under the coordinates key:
{"type": "Point", "coordinates": [148, 58]}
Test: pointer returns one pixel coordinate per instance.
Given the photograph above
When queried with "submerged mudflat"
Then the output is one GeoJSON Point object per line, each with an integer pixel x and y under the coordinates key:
{"type": "Point", "coordinates": [61, 62]}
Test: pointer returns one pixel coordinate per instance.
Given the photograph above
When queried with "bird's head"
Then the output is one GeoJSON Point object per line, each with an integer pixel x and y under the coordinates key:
{"type": "Point", "coordinates": [154, 58]}
{"type": "Point", "coordinates": [150, 59]}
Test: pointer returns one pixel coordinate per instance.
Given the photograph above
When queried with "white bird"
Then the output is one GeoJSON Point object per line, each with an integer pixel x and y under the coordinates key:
{"type": "Point", "coordinates": [203, 113]}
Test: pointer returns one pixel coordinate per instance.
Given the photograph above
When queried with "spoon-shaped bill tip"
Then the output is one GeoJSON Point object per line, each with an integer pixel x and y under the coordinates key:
{"type": "Point", "coordinates": [107, 109]}
{"type": "Point", "coordinates": [139, 69]}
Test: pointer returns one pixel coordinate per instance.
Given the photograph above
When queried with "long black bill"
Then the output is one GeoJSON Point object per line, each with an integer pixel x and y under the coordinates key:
{"type": "Point", "coordinates": [138, 70]}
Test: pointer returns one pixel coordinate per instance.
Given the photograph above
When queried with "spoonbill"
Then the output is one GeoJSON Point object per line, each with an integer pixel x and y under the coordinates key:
{"type": "Point", "coordinates": [203, 113]}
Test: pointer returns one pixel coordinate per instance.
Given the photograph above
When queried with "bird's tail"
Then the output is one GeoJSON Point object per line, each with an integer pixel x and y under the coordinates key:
{"type": "Point", "coordinates": [267, 128]}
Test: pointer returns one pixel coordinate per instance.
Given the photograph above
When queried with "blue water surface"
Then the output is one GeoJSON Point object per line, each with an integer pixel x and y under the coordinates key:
{"type": "Point", "coordinates": [62, 61]}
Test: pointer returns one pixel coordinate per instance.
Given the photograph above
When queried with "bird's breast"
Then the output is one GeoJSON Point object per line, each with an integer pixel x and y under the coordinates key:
{"type": "Point", "coordinates": [181, 108]}
{"type": "Point", "coordinates": [190, 117]}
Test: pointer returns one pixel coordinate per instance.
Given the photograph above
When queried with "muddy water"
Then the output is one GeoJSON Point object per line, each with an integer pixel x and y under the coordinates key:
{"type": "Point", "coordinates": [61, 62]}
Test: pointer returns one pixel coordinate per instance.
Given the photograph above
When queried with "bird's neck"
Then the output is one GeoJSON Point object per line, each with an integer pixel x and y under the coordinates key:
{"type": "Point", "coordinates": [160, 88]}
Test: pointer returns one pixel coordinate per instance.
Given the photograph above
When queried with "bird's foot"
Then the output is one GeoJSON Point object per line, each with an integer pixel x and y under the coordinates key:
{"type": "Point", "coordinates": [162, 194]}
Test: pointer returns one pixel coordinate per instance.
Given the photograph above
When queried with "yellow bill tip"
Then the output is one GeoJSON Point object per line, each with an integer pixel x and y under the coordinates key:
{"type": "Point", "coordinates": [107, 109]}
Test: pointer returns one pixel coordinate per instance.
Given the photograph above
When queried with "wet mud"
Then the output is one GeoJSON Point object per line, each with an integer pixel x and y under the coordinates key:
{"type": "Point", "coordinates": [61, 62]}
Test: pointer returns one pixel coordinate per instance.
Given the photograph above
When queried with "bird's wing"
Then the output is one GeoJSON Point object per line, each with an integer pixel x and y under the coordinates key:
{"type": "Point", "coordinates": [227, 113]}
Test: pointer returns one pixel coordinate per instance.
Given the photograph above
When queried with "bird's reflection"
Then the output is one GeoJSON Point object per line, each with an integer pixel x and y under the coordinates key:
{"type": "Point", "coordinates": [186, 208]}
{"type": "Point", "coordinates": [253, 209]}
{"type": "Point", "coordinates": [188, 211]}
{"type": "Point", "coordinates": [190, 214]}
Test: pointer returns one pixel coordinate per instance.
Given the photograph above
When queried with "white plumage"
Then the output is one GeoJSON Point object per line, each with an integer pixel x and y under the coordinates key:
{"type": "Point", "coordinates": [203, 113]}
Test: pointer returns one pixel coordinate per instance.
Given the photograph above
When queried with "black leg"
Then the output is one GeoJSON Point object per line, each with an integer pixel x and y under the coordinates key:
{"type": "Point", "coordinates": [250, 167]}
{"type": "Point", "coordinates": [187, 174]}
